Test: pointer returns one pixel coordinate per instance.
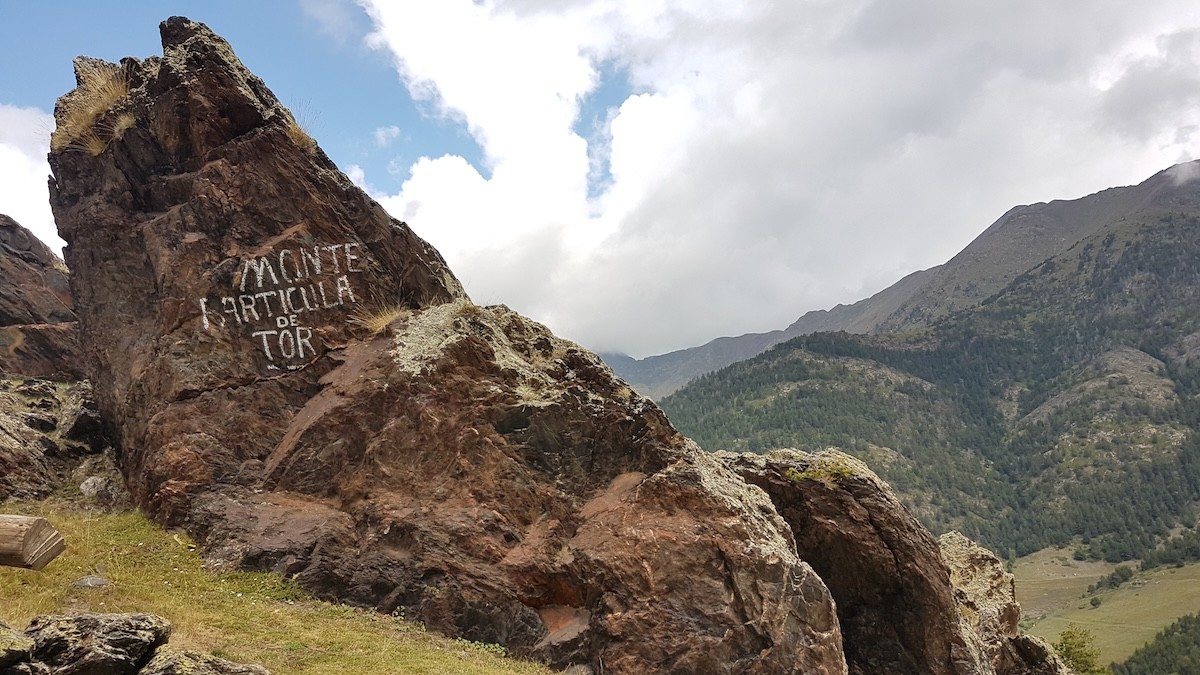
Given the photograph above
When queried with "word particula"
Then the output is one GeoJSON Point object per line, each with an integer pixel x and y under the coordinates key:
{"type": "Point", "coordinates": [275, 296]}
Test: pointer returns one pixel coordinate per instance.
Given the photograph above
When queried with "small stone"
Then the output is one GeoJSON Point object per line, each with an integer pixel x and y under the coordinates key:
{"type": "Point", "coordinates": [92, 581]}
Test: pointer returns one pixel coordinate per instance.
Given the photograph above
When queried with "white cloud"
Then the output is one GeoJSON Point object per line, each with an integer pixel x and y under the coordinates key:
{"type": "Point", "coordinates": [385, 136]}
{"type": "Point", "coordinates": [24, 196]}
{"type": "Point", "coordinates": [780, 157]}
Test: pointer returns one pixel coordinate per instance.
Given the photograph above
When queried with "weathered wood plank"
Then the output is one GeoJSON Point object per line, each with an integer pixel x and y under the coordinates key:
{"type": "Point", "coordinates": [29, 542]}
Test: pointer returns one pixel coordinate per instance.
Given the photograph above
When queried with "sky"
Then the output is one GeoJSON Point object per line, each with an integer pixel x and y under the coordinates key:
{"type": "Point", "coordinates": [647, 175]}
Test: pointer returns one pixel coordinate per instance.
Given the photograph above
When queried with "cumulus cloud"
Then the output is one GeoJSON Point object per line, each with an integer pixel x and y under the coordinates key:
{"type": "Point", "coordinates": [774, 157]}
{"type": "Point", "coordinates": [24, 141]}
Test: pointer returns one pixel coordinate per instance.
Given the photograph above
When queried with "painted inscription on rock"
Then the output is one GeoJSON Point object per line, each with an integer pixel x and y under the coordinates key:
{"type": "Point", "coordinates": [278, 298]}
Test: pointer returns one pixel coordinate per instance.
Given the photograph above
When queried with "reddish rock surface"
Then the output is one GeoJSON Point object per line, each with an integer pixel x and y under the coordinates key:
{"type": "Point", "coordinates": [461, 466]}
{"type": "Point", "coordinates": [298, 380]}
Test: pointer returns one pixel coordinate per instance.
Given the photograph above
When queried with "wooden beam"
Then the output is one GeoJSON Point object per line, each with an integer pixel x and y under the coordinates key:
{"type": "Point", "coordinates": [29, 542]}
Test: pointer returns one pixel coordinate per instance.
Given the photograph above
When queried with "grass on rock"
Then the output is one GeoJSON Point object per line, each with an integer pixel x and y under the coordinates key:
{"type": "Point", "coordinates": [242, 616]}
{"type": "Point", "coordinates": [101, 86]}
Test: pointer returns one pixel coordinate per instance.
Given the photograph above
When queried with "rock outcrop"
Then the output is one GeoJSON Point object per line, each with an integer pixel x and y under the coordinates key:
{"type": "Point", "coordinates": [907, 603]}
{"type": "Point", "coordinates": [893, 593]}
{"type": "Point", "coordinates": [37, 323]}
{"type": "Point", "coordinates": [34, 288]}
{"type": "Point", "coordinates": [47, 430]}
{"type": "Point", "coordinates": [48, 423]}
{"type": "Point", "coordinates": [105, 644]}
{"type": "Point", "coordinates": [987, 602]}
{"type": "Point", "coordinates": [299, 380]}
{"type": "Point", "coordinates": [461, 465]}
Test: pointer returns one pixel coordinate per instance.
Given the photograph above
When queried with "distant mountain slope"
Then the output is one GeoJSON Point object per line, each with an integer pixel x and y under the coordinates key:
{"type": "Point", "coordinates": [1017, 241]}
{"type": "Point", "coordinates": [1020, 239]}
{"type": "Point", "coordinates": [658, 376]}
{"type": "Point", "coordinates": [1065, 405]}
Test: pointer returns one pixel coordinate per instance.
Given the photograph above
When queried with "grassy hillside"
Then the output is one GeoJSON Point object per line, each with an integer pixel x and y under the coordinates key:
{"type": "Point", "coordinates": [241, 616]}
{"type": "Point", "coordinates": [1063, 407]}
{"type": "Point", "coordinates": [1052, 589]}
{"type": "Point", "coordinates": [1175, 650]}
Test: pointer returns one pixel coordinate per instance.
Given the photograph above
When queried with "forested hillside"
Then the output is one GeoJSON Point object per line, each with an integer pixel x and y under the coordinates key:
{"type": "Point", "coordinates": [1063, 406]}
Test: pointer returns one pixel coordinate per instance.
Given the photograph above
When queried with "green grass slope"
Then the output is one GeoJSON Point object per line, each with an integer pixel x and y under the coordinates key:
{"type": "Point", "coordinates": [242, 616]}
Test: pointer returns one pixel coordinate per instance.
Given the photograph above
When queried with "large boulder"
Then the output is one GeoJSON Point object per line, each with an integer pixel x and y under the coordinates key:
{"type": "Point", "coordinates": [301, 382]}
{"type": "Point", "coordinates": [893, 592]}
{"type": "Point", "coordinates": [907, 603]}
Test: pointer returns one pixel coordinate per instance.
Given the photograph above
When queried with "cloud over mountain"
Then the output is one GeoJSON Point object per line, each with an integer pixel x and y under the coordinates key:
{"type": "Point", "coordinates": [770, 157]}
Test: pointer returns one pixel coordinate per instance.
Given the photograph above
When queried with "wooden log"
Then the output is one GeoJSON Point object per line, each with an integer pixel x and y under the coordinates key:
{"type": "Point", "coordinates": [29, 542]}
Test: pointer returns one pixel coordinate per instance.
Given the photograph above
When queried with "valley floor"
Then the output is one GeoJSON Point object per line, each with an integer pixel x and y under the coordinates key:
{"type": "Point", "coordinates": [1052, 590]}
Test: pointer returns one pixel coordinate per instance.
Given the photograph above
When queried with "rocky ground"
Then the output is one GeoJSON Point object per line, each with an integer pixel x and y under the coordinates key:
{"type": "Point", "coordinates": [105, 644]}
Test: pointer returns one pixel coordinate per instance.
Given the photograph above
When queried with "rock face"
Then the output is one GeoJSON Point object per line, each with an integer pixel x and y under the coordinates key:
{"type": "Point", "coordinates": [301, 382]}
{"type": "Point", "coordinates": [34, 288]}
{"type": "Point", "coordinates": [907, 603]}
{"type": "Point", "coordinates": [47, 429]}
{"type": "Point", "coordinates": [105, 644]}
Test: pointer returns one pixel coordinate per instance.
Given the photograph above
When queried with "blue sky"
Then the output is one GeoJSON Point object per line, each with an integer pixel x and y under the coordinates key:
{"type": "Point", "coordinates": [646, 175]}
{"type": "Point", "coordinates": [321, 68]}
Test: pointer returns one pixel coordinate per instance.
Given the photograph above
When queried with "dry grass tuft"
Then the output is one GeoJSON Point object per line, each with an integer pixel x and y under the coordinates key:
{"type": "Point", "coordinates": [378, 319]}
{"type": "Point", "coordinates": [244, 616]}
{"type": "Point", "coordinates": [88, 142]}
{"type": "Point", "coordinates": [101, 86]}
{"type": "Point", "coordinates": [299, 136]}
{"type": "Point", "coordinates": [120, 125]}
